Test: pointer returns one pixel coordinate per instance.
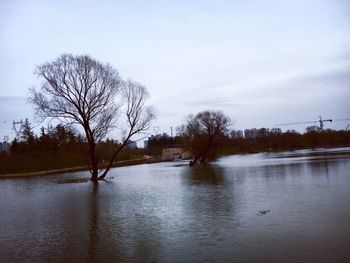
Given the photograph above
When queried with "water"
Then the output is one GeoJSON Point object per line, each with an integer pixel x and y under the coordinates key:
{"type": "Point", "coordinates": [168, 212]}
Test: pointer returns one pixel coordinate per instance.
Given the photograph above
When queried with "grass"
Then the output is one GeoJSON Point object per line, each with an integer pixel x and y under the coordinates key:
{"type": "Point", "coordinates": [72, 169]}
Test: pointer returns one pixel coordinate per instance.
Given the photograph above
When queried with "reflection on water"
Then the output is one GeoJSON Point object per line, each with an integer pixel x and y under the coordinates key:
{"type": "Point", "coordinates": [168, 212]}
{"type": "Point", "coordinates": [210, 175]}
{"type": "Point", "coordinates": [93, 224]}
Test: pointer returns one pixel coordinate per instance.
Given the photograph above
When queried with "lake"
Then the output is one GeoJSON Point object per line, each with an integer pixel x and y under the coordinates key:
{"type": "Point", "coordinates": [277, 207]}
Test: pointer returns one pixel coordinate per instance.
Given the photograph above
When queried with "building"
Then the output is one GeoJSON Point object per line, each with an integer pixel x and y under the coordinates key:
{"type": "Point", "coordinates": [169, 154]}
{"type": "Point", "coordinates": [236, 134]}
{"type": "Point", "coordinates": [174, 153]}
{"type": "Point", "coordinates": [132, 145]}
{"type": "Point", "coordinates": [250, 133]}
{"type": "Point", "coordinates": [4, 147]}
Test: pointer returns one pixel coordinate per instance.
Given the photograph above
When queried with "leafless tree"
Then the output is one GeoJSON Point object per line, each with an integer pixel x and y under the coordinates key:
{"type": "Point", "coordinates": [201, 132]}
{"type": "Point", "coordinates": [138, 116]}
{"type": "Point", "coordinates": [80, 90]}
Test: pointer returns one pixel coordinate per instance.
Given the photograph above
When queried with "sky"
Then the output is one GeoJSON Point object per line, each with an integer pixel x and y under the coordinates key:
{"type": "Point", "coordinates": [261, 62]}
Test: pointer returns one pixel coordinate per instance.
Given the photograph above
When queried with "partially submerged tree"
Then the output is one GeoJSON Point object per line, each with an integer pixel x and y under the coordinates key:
{"type": "Point", "coordinates": [82, 91]}
{"type": "Point", "coordinates": [201, 132]}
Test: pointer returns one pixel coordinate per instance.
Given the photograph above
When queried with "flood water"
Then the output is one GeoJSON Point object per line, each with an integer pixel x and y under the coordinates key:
{"type": "Point", "coordinates": [281, 207]}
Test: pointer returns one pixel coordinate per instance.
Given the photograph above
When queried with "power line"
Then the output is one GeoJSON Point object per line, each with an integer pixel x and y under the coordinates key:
{"type": "Point", "coordinates": [347, 119]}
{"type": "Point", "coordinates": [296, 123]}
{"type": "Point", "coordinates": [320, 121]}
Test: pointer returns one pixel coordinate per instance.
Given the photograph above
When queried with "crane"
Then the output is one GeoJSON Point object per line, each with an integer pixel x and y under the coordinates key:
{"type": "Point", "coordinates": [320, 121]}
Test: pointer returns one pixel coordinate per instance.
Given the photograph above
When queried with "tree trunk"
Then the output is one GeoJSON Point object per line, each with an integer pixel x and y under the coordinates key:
{"type": "Point", "coordinates": [94, 171]}
{"type": "Point", "coordinates": [109, 166]}
{"type": "Point", "coordinates": [202, 155]}
{"type": "Point", "coordinates": [114, 156]}
{"type": "Point", "coordinates": [194, 161]}
{"type": "Point", "coordinates": [93, 162]}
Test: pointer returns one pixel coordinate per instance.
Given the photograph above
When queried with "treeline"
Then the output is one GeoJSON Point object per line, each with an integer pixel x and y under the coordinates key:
{"type": "Point", "coordinates": [63, 147]}
{"type": "Point", "coordinates": [265, 140]}
{"type": "Point", "coordinates": [54, 148]}
{"type": "Point", "coordinates": [290, 140]}
{"type": "Point", "coordinates": [155, 144]}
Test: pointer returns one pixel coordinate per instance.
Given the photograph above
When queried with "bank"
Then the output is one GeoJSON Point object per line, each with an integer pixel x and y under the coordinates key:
{"type": "Point", "coordinates": [77, 169]}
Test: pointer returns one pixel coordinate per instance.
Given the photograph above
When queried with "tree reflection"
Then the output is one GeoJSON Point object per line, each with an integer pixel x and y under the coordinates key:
{"type": "Point", "coordinates": [120, 231]}
{"type": "Point", "coordinates": [209, 174]}
{"type": "Point", "coordinates": [269, 172]}
{"type": "Point", "coordinates": [210, 200]}
{"type": "Point", "coordinates": [93, 224]}
{"type": "Point", "coordinates": [323, 167]}
{"type": "Point", "coordinates": [208, 192]}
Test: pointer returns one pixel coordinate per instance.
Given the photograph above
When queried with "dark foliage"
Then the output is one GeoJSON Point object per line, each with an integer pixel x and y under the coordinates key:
{"type": "Point", "coordinates": [55, 148]}
{"type": "Point", "coordinates": [160, 141]}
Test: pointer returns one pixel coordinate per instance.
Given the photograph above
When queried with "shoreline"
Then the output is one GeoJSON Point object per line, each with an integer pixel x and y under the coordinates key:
{"type": "Point", "coordinates": [76, 169]}
{"type": "Point", "coordinates": [135, 162]}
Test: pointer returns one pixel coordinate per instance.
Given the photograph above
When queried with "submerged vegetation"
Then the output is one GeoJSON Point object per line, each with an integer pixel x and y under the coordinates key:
{"type": "Point", "coordinates": [201, 134]}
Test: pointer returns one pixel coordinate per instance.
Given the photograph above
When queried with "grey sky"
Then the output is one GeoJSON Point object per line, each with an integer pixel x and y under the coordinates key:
{"type": "Point", "coordinates": [261, 62]}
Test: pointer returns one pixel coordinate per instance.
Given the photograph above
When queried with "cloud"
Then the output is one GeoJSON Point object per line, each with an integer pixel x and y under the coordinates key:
{"type": "Point", "coordinates": [210, 103]}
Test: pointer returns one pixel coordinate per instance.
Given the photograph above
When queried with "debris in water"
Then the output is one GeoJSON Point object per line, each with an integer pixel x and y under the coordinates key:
{"type": "Point", "coordinates": [73, 180]}
{"type": "Point", "coordinates": [263, 212]}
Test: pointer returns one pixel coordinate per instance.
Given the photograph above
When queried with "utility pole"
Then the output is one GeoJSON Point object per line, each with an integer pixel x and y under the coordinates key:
{"type": "Point", "coordinates": [156, 130]}
{"type": "Point", "coordinates": [17, 126]}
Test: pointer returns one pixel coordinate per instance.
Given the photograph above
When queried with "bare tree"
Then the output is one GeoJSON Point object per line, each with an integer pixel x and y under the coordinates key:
{"type": "Point", "coordinates": [138, 116]}
{"type": "Point", "coordinates": [80, 90]}
{"type": "Point", "coordinates": [201, 133]}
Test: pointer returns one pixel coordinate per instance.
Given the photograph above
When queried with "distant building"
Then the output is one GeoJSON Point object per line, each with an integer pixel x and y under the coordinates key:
{"type": "Point", "coordinates": [263, 132]}
{"type": "Point", "coordinates": [250, 133]}
{"type": "Point", "coordinates": [236, 134]}
{"type": "Point", "coordinates": [132, 145]}
{"type": "Point", "coordinates": [276, 131]}
{"type": "Point", "coordinates": [4, 147]}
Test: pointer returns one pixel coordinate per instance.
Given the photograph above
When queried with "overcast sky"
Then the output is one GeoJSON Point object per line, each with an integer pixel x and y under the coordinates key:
{"type": "Point", "coordinates": [261, 62]}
